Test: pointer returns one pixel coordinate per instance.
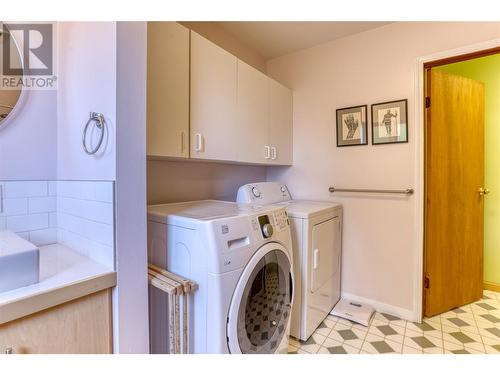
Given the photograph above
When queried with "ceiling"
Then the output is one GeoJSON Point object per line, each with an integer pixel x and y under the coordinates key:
{"type": "Point", "coordinates": [273, 39]}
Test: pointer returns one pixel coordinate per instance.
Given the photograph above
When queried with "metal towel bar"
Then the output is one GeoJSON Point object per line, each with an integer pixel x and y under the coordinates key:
{"type": "Point", "coordinates": [98, 119]}
{"type": "Point", "coordinates": [408, 191]}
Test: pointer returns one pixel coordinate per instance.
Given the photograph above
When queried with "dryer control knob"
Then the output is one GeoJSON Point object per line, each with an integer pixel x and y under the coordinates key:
{"type": "Point", "coordinates": [256, 192]}
{"type": "Point", "coordinates": [268, 230]}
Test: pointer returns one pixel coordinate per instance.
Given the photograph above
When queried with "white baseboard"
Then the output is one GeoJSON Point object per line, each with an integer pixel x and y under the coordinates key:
{"type": "Point", "coordinates": [385, 308]}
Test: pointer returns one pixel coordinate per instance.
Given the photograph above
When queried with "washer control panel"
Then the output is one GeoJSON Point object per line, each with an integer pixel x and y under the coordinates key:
{"type": "Point", "coordinates": [266, 228]}
{"type": "Point", "coordinates": [271, 223]}
{"type": "Point", "coordinates": [281, 219]}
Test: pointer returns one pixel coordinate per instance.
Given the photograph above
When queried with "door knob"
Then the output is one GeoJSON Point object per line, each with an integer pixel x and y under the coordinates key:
{"type": "Point", "coordinates": [483, 191]}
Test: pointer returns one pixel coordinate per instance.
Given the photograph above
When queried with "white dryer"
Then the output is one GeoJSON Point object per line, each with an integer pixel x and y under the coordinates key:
{"type": "Point", "coordinates": [317, 242]}
{"type": "Point", "coordinates": [241, 258]}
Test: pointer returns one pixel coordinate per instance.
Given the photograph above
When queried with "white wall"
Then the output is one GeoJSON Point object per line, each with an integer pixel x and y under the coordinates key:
{"type": "Point", "coordinates": [131, 318]}
{"type": "Point", "coordinates": [379, 244]}
{"type": "Point", "coordinates": [86, 82]}
{"type": "Point", "coordinates": [174, 181]}
{"type": "Point", "coordinates": [28, 144]}
{"type": "Point", "coordinates": [102, 69]}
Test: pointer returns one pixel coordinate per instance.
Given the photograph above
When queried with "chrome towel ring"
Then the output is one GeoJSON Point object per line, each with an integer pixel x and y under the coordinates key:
{"type": "Point", "coordinates": [98, 118]}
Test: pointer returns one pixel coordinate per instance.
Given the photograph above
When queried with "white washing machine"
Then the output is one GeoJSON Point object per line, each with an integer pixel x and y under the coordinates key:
{"type": "Point", "coordinates": [241, 258]}
{"type": "Point", "coordinates": [317, 242]}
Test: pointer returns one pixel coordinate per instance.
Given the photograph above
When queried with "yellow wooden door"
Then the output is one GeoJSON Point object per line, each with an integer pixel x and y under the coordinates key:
{"type": "Point", "coordinates": [454, 200]}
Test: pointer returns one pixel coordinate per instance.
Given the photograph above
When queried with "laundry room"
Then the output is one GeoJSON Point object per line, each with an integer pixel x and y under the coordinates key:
{"type": "Point", "coordinates": [174, 185]}
{"type": "Point", "coordinates": [261, 115]}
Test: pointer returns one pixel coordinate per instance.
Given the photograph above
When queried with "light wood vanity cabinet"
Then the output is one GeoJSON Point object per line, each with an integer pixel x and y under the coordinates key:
{"type": "Point", "coordinates": [231, 111]}
{"type": "Point", "coordinates": [168, 90]}
{"type": "Point", "coordinates": [82, 326]}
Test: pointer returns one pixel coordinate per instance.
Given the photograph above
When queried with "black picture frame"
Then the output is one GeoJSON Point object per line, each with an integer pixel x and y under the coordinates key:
{"type": "Point", "coordinates": [395, 122]}
{"type": "Point", "coordinates": [348, 130]}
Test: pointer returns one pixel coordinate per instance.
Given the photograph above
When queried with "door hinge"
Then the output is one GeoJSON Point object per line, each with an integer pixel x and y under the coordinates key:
{"type": "Point", "coordinates": [426, 282]}
{"type": "Point", "coordinates": [427, 102]}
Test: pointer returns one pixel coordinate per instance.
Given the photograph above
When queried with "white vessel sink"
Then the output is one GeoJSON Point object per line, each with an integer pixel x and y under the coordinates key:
{"type": "Point", "coordinates": [19, 262]}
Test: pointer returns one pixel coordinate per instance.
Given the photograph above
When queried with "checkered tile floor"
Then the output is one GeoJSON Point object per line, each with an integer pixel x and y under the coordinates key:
{"type": "Point", "coordinates": [470, 329]}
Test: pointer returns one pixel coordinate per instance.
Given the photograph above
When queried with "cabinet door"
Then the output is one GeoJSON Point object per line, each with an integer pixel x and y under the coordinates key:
{"type": "Point", "coordinates": [82, 326]}
{"type": "Point", "coordinates": [168, 90]}
{"type": "Point", "coordinates": [213, 101]}
{"type": "Point", "coordinates": [325, 255]}
{"type": "Point", "coordinates": [253, 115]}
{"type": "Point", "coordinates": [280, 123]}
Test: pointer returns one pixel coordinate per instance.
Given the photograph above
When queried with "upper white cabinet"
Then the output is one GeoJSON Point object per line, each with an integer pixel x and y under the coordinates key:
{"type": "Point", "coordinates": [168, 90]}
{"type": "Point", "coordinates": [213, 101]}
{"type": "Point", "coordinates": [204, 103]}
{"type": "Point", "coordinates": [280, 123]}
{"type": "Point", "coordinates": [264, 118]}
{"type": "Point", "coordinates": [253, 115]}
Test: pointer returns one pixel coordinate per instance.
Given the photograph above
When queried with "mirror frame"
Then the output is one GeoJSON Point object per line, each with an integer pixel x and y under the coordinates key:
{"type": "Point", "coordinates": [23, 95]}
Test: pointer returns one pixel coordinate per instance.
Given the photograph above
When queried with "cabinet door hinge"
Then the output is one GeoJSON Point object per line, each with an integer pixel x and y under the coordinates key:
{"type": "Point", "coordinates": [427, 102]}
{"type": "Point", "coordinates": [426, 282]}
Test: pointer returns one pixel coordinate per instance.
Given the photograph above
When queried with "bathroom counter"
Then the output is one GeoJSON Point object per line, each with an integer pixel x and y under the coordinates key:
{"type": "Point", "coordinates": [65, 275]}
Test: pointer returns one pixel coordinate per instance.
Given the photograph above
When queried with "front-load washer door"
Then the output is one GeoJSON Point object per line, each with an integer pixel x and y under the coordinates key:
{"type": "Point", "coordinates": [259, 314]}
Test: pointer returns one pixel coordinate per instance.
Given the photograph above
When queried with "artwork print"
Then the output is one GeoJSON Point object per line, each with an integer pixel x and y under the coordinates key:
{"type": "Point", "coordinates": [352, 126]}
{"type": "Point", "coordinates": [389, 122]}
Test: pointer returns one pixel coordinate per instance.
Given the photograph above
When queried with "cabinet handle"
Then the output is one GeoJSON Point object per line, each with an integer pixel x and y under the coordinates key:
{"type": "Point", "coordinates": [316, 259]}
{"type": "Point", "coordinates": [9, 351]}
{"type": "Point", "coordinates": [182, 142]}
{"type": "Point", "coordinates": [199, 142]}
{"type": "Point", "coordinates": [268, 152]}
{"type": "Point", "coordinates": [273, 153]}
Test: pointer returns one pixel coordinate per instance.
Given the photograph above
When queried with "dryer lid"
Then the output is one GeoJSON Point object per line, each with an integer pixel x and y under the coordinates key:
{"type": "Point", "coordinates": [304, 209]}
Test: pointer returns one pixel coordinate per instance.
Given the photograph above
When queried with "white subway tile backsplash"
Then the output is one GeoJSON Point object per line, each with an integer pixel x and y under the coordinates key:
{"type": "Point", "coordinates": [52, 186]}
{"type": "Point", "coordinates": [41, 205]}
{"type": "Point", "coordinates": [18, 189]}
{"type": "Point", "coordinates": [78, 214]}
{"type": "Point", "coordinates": [14, 206]}
{"type": "Point", "coordinates": [101, 212]}
{"type": "Point", "coordinates": [43, 236]}
{"type": "Point", "coordinates": [104, 192]}
{"type": "Point", "coordinates": [53, 220]}
{"type": "Point", "coordinates": [25, 223]}
{"type": "Point", "coordinates": [25, 235]}
{"type": "Point", "coordinates": [96, 251]}
{"type": "Point", "coordinates": [101, 233]}
{"type": "Point", "coordinates": [101, 191]}
{"type": "Point", "coordinates": [98, 232]}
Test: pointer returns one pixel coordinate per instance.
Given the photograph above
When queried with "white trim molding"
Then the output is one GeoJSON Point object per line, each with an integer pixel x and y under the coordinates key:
{"type": "Point", "coordinates": [419, 161]}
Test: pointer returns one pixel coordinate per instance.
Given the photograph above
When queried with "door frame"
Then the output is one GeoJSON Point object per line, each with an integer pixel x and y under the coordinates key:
{"type": "Point", "coordinates": [422, 64]}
